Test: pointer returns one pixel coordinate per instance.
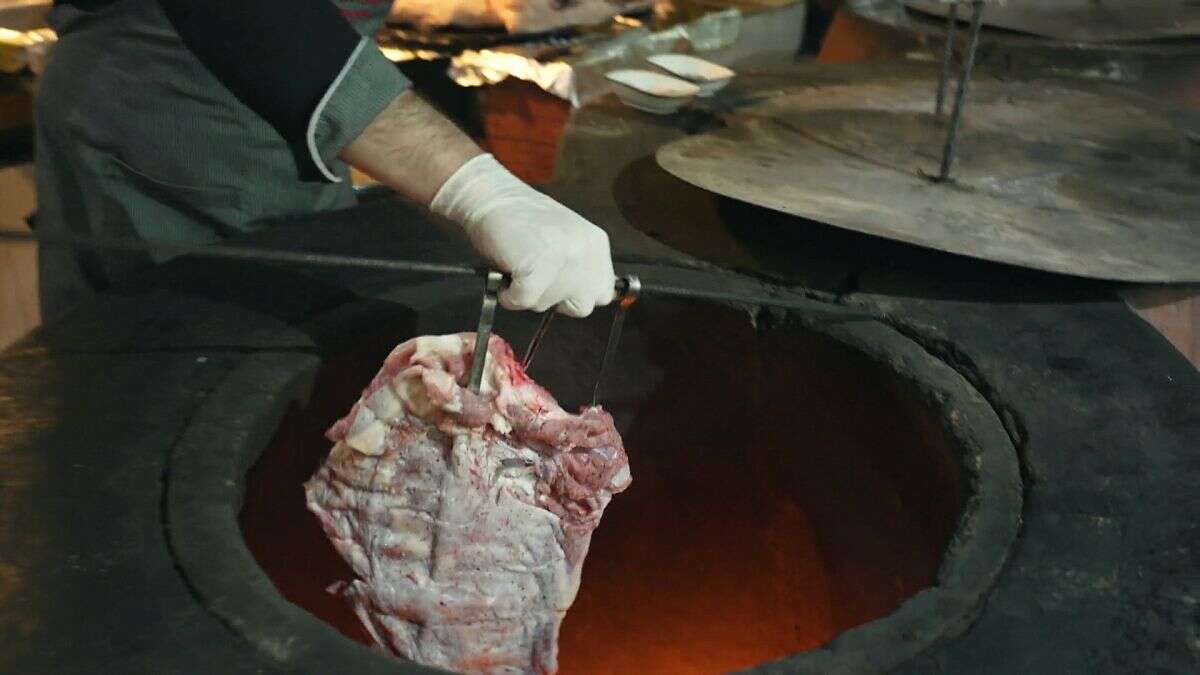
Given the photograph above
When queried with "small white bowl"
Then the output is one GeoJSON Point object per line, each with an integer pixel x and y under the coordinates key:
{"type": "Point", "coordinates": [709, 76]}
{"type": "Point", "coordinates": [652, 92]}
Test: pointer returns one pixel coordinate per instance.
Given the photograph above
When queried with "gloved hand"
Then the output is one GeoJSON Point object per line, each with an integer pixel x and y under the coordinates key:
{"type": "Point", "coordinates": [556, 258]}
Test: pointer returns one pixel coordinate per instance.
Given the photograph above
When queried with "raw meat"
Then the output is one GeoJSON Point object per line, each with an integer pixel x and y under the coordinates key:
{"type": "Point", "coordinates": [516, 16]}
{"type": "Point", "coordinates": [466, 518]}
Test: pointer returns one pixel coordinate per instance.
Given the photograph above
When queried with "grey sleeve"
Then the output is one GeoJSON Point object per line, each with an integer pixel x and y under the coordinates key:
{"type": "Point", "coordinates": [367, 83]}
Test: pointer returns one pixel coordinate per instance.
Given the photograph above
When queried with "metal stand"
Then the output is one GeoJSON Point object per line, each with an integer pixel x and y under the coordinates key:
{"type": "Point", "coordinates": [947, 58]}
{"type": "Point", "coordinates": [964, 82]}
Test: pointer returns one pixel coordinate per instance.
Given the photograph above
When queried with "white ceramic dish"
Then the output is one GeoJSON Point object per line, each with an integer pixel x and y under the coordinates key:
{"type": "Point", "coordinates": [652, 92]}
{"type": "Point", "coordinates": [708, 76]}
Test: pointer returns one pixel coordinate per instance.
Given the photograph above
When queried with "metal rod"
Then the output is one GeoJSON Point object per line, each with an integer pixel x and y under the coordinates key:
{"type": "Point", "coordinates": [659, 289]}
{"type": "Point", "coordinates": [633, 288]}
{"type": "Point", "coordinates": [947, 58]}
{"type": "Point", "coordinates": [483, 334]}
{"type": "Point", "coordinates": [255, 254]}
{"type": "Point", "coordinates": [964, 82]}
{"type": "Point", "coordinates": [247, 253]}
{"type": "Point", "coordinates": [540, 333]}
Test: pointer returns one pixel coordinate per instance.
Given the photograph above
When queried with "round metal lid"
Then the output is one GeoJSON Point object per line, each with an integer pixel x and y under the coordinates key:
{"type": "Point", "coordinates": [1074, 178]}
{"type": "Point", "coordinates": [1087, 20]}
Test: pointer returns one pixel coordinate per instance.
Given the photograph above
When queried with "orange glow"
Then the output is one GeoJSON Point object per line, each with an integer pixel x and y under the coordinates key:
{"type": "Point", "coordinates": [800, 512]}
{"type": "Point", "coordinates": [851, 39]}
{"type": "Point", "coordinates": [682, 590]}
{"type": "Point", "coordinates": [522, 126]}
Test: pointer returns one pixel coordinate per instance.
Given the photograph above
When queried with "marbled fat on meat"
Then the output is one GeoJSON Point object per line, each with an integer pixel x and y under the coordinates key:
{"type": "Point", "coordinates": [465, 517]}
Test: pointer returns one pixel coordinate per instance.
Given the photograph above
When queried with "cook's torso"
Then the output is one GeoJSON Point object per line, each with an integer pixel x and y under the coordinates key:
{"type": "Point", "coordinates": [123, 89]}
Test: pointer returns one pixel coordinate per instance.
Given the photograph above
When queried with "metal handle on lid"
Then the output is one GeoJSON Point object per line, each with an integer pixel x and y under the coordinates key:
{"type": "Point", "coordinates": [628, 290]}
{"type": "Point", "coordinates": [621, 286]}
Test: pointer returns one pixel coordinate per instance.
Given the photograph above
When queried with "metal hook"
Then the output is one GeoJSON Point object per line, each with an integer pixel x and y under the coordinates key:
{"type": "Point", "coordinates": [483, 334]}
{"type": "Point", "coordinates": [631, 288]}
{"type": "Point", "coordinates": [628, 289]}
{"type": "Point", "coordinates": [540, 333]}
{"type": "Point", "coordinates": [621, 287]}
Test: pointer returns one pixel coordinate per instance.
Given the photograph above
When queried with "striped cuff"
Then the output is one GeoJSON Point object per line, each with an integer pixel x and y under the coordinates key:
{"type": "Point", "coordinates": [364, 87]}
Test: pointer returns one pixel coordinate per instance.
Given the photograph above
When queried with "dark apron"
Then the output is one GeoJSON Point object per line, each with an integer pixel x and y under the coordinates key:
{"type": "Point", "coordinates": [136, 139]}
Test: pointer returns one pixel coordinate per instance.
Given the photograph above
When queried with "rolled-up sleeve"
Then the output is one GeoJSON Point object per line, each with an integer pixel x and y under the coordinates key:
{"type": "Point", "coordinates": [318, 82]}
{"type": "Point", "coordinates": [367, 83]}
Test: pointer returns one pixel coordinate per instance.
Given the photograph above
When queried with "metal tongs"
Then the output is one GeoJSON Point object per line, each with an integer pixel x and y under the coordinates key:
{"type": "Point", "coordinates": [628, 289]}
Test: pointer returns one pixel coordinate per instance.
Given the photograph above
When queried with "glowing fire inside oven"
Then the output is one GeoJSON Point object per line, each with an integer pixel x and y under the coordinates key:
{"type": "Point", "coordinates": [804, 511]}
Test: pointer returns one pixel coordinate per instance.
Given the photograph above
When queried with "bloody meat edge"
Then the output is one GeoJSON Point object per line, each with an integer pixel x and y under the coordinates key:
{"type": "Point", "coordinates": [465, 517]}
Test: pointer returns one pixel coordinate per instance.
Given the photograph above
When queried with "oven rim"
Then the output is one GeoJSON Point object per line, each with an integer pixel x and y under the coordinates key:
{"type": "Point", "coordinates": [204, 490]}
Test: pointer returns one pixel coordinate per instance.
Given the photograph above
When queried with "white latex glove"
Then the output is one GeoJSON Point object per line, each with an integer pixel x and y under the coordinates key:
{"type": "Point", "coordinates": [556, 258]}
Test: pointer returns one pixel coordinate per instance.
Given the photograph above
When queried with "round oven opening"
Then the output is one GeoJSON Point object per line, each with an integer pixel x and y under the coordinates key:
{"type": "Point", "coordinates": [787, 487]}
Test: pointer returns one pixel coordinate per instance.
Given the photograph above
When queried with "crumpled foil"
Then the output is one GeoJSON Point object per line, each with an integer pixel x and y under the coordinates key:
{"type": "Point", "coordinates": [578, 76]}
{"type": "Point", "coordinates": [478, 68]}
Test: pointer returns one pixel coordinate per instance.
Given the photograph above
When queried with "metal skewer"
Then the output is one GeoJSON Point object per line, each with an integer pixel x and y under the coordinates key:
{"type": "Point", "coordinates": [254, 254]}
{"type": "Point", "coordinates": [629, 295]}
{"type": "Point", "coordinates": [483, 334]}
{"type": "Point", "coordinates": [228, 252]}
{"type": "Point", "coordinates": [629, 288]}
{"type": "Point", "coordinates": [622, 287]}
{"type": "Point", "coordinates": [540, 333]}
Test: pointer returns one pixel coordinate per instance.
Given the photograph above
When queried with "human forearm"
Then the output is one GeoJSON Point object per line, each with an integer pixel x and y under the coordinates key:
{"type": "Point", "coordinates": [556, 258]}
{"type": "Point", "coordinates": [411, 148]}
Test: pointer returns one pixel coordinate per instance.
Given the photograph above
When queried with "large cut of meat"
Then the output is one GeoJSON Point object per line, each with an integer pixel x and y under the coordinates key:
{"type": "Point", "coordinates": [516, 16]}
{"type": "Point", "coordinates": [465, 517]}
